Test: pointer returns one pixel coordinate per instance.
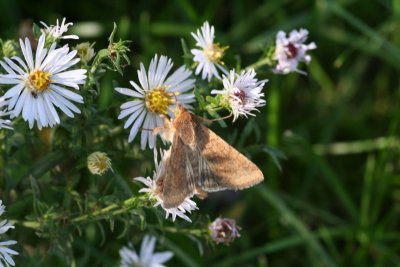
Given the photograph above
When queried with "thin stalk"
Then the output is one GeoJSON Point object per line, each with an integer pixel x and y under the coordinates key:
{"type": "Point", "coordinates": [355, 147]}
{"type": "Point", "coordinates": [293, 220]}
{"type": "Point", "coordinates": [111, 210]}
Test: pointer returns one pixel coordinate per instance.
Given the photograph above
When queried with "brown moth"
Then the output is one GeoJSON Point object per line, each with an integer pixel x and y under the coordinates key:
{"type": "Point", "coordinates": [200, 161]}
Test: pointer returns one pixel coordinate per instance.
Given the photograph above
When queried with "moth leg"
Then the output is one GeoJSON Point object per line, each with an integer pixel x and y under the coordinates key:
{"type": "Point", "coordinates": [166, 132]}
{"type": "Point", "coordinates": [200, 193]}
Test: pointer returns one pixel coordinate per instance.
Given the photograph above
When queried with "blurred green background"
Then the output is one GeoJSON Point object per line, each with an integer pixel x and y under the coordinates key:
{"type": "Point", "coordinates": [336, 200]}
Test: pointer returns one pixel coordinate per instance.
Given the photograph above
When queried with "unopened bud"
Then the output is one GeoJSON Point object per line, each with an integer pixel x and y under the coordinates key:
{"type": "Point", "coordinates": [10, 48]}
{"type": "Point", "coordinates": [85, 51]}
{"type": "Point", "coordinates": [223, 230]}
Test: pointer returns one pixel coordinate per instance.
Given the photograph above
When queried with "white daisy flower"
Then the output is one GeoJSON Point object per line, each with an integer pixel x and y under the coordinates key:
{"type": "Point", "coordinates": [5, 252]}
{"type": "Point", "coordinates": [146, 257]}
{"type": "Point", "coordinates": [210, 55]}
{"type": "Point", "coordinates": [4, 123]}
{"type": "Point", "coordinates": [39, 83]}
{"type": "Point", "coordinates": [154, 190]}
{"type": "Point", "coordinates": [290, 51]}
{"type": "Point", "coordinates": [57, 31]}
{"type": "Point", "coordinates": [155, 98]}
{"type": "Point", "coordinates": [242, 93]}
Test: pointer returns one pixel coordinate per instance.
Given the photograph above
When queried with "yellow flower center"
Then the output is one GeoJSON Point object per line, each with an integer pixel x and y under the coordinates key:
{"type": "Point", "coordinates": [214, 52]}
{"type": "Point", "coordinates": [39, 81]}
{"type": "Point", "coordinates": [158, 100]}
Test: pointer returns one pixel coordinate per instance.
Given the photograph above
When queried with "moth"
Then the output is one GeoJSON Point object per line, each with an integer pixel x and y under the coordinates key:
{"type": "Point", "coordinates": [200, 161]}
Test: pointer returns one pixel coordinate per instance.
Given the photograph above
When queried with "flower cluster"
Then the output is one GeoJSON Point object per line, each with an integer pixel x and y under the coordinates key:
{"type": "Point", "coordinates": [45, 81]}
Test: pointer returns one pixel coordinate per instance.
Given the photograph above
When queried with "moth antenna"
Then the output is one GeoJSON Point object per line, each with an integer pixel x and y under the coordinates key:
{"type": "Point", "coordinates": [178, 106]}
{"type": "Point", "coordinates": [145, 129]}
{"type": "Point", "coordinates": [209, 121]}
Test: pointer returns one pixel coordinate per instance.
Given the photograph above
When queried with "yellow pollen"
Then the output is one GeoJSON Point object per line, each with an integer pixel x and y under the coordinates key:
{"type": "Point", "coordinates": [158, 100]}
{"type": "Point", "coordinates": [215, 53]}
{"type": "Point", "coordinates": [39, 80]}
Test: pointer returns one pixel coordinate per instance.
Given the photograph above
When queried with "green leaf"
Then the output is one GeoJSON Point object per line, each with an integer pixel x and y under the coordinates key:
{"type": "Point", "coordinates": [45, 164]}
{"type": "Point", "coordinates": [276, 155]}
{"type": "Point", "coordinates": [296, 223]}
{"type": "Point", "coordinates": [36, 31]}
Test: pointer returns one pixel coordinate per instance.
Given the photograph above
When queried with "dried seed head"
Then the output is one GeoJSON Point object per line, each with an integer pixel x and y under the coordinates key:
{"type": "Point", "coordinates": [98, 163]}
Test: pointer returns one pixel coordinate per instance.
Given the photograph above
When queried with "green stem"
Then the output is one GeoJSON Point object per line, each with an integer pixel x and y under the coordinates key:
{"type": "Point", "coordinates": [111, 211]}
{"type": "Point", "coordinates": [272, 138]}
{"type": "Point", "coordinates": [262, 62]}
{"type": "Point", "coordinates": [100, 57]}
{"type": "Point", "coordinates": [354, 147]}
{"type": "Point", "coordinates": [94, 214]}
{"type": "Point", "coordinates": [196, 232]}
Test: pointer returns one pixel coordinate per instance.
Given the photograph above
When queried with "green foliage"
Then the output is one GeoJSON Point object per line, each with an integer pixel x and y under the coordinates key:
{"type": "Point", "coordinates": [327, 143]}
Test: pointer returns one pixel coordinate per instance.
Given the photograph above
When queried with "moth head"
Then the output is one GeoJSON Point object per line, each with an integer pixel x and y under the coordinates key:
{"type": "Point", "coordinates": [179, 110]}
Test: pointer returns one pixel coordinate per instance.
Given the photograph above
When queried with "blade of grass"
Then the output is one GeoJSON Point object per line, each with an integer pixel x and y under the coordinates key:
{"type": "Point", "coordinates": [279, 245]}
{"type": "Point", "coordinates": [170, 29]}
{"type": "Point", "coordinates": [354, 147]}
{"type": "Point", "coordinates": [272, 117]}
{"type": "Point", "coordinates": [181, 254]}
{"type": "Point", "coordinates": [313, 210]}
{"type": "Point", "coordinates": [367, 192]}
{"type": "Point", "coordinates": [384, 168]}
{"type": "Point", "coordinates": [210, 10]}
{"type": "Point", "coordinates": [331, 178]}
{"type": "Point", "coordinates": [188, 9]}
{"type": "Point", "coordinates": [356, 42]}
{"type": "Point", "coordinates": [296, 224]}
{"type": "Point", "coordinates": [365, 29]}
{"type": "Point", "coordinates": [256, 44]}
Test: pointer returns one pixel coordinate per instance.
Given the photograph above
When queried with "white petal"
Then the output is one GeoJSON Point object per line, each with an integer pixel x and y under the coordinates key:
{"type": "Point", "coordinates": [145, 131]}
{"type": "Point", "coordinates": [128, 92]}
{"type": "Point", "coordinates": [136, 125]}
{"type": "Point", "coordinates": [67, 93]}
{"type": "Point", "coordinates": [133, 116]}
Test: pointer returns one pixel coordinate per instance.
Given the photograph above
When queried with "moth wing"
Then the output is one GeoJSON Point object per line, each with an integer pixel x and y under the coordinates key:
{"type": "Point", "coordinates": [178, 179]}
{"type": "Point", "coordinates": [220, 166]}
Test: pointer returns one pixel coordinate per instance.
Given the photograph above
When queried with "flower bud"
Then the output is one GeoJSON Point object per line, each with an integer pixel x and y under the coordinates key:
{"type": "Point", "coordinates": [85, 51]}
{"type": "Point", "coordinates": [224, 230]}
{"type": "Point", "coordinates": [10, 48]}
